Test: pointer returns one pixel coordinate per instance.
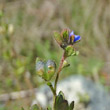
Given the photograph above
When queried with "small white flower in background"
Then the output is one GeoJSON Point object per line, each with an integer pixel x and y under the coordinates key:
{"type": "Point", "coordinates": [10, 29]}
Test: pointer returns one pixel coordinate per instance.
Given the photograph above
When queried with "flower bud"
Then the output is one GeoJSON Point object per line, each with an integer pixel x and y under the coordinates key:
{"type": "Point", "coordinates": [65, 64]}
{"type": "Point", "coordinates": [66, 39]}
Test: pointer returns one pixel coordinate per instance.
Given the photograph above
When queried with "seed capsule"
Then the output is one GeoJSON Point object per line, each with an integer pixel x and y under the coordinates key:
{"type": "Point", "coordinates": [40, 68]}
{"type": "Point", "coordinates": [46, 70]}
{"type": "Point", "coordinates": [50, 69]}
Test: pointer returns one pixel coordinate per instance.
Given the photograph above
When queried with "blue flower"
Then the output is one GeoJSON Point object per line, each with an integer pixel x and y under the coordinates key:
{"type": "Point", "coordinates": [66, 38]}
{"type": "Point", "coordinates": [73, 38]}
{"type": "Point", "coordinates": [77, 38]}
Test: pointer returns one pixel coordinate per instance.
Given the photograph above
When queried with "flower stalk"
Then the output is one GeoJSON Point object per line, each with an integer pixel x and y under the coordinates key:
{"type": "Point", "coordinates": [59, 70]}
{"type": "Point", "coordinates": [57, 77]}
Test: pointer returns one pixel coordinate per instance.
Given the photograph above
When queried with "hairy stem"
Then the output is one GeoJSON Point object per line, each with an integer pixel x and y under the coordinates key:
{"type": "Point", "coordinates": [59, 70]}
{"type": "Point", "coordinates": [57, 77]}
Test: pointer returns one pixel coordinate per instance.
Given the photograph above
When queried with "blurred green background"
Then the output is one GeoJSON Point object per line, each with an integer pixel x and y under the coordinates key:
{"type": "Point", "coordinates": [26, 32]}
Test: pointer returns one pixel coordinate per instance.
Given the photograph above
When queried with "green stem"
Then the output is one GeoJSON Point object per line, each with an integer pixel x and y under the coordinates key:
{"type": "Point", "coordinates": [57, 77]}
{"type": "Point", "coordinates": [53, 91]}
{"type": "Point", "coordinates": [59, 70]}
{"type": "Point", "coordinates": [51, 87]}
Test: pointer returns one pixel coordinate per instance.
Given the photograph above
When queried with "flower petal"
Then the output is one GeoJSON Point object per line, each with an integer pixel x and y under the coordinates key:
{"type": "Point", "coordinates": [77, 38]}
{"type": "Point", "coordinates": [71, 33]}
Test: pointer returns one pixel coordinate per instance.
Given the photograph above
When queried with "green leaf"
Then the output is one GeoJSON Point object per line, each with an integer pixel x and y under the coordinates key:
{"type": "Point", "coordinates": [63, 105]}
{"type": "Point", "coordinates": [60, 102]}
{"type": "Point", "coordinates": [35, 107]}
{"type": "Point", "coordinates": [59, 99]}
{"type": "Point", "coordinates": [58, 38]}
{"type": "Point", "coordinates": [71, 105]}
{"type": "Point", "coordinates": [61, 94]}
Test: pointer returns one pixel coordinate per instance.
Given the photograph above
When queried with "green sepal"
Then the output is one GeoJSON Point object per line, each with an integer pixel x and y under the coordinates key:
{"type": "Point", "coordinates": [58, 38]}
{"type": "Point", "coordinates": [65, 35]}
{"type": "Point", "coordinates": [76, 53]}
{"type": "Point", "coordinates": [69, 51]}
